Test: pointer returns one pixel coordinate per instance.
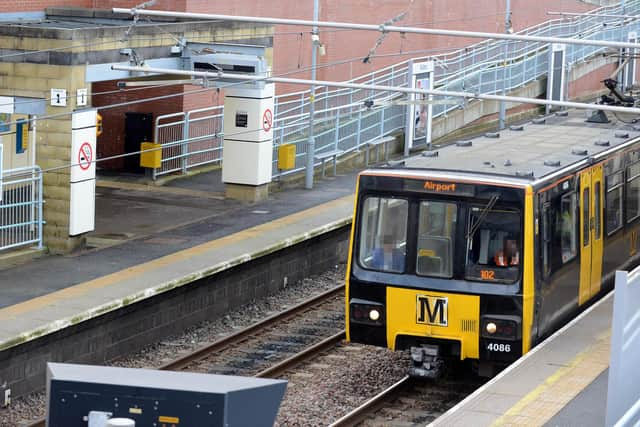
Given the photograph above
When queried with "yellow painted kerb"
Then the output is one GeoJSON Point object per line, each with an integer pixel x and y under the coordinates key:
{"type": "Point", "coordinates": [543, 402]}
{"type": "Point", "coordinates": [66, 294]}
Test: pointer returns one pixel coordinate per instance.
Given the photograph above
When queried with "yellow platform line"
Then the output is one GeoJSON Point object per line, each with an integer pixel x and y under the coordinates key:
{"type": "Point", "coordinates": [66, 294]}
{"type": "Point", "coordinates": [546, 400]}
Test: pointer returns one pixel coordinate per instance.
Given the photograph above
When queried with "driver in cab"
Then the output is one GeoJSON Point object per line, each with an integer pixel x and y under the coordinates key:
{"type": "Point", "coordinates": [388, 257]}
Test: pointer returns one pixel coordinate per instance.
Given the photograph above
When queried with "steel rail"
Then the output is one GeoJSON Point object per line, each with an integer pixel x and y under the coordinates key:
{"type": "Point", "coordinates": [284, 365]}
{"type": "Point", "coordinates": [244, 334]}
{"type": "Point", "coordinates": [361, 412]}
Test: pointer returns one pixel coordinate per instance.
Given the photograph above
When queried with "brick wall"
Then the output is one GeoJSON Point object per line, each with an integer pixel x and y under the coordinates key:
{"type": "Point", "coordinates": [112, 140]}
{"type": "Point", "coordinates": [40, 5]}
{"type": "Point", "coordinates": [292, 52]}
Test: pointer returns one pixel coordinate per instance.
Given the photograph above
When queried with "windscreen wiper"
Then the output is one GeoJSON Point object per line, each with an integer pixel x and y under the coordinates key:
{"type": "Point", "coordinates": [483, 215]}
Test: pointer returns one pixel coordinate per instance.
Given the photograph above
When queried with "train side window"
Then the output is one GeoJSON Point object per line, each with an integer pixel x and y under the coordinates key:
{"type": "Point", "coordinates": [436, 235]}
{"type": "Point", "coordinates": [568, 227]}
{"type": "Point", "coordinates": [546, 241]}
{"type": "Point", "coordinates": [383, 234]}
{"type": "Point", "coordinates": [633, 192]}
{"type": "Point", "coordinates": [586, 217]}
{"type": "Point", "coordinates": [613, 203]}
{"type": "Point", "coordinates": [598, 208]}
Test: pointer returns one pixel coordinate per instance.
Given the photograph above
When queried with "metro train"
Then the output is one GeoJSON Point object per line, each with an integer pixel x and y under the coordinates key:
{"type": "Point", "coordinates": [479, 250]}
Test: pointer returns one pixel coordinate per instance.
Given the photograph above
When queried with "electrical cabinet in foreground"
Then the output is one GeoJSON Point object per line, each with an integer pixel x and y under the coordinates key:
{"type": "Point", "coordinates": [76, 393]}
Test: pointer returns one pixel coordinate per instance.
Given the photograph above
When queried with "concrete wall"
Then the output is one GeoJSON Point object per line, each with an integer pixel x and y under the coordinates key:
{"type": "Point", "coordinates": [120, 333]}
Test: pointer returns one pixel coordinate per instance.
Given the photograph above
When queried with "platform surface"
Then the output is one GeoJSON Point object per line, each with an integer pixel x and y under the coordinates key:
{"type": "Point", "coordinates": [561, 382]}
{"type": "Point", "coordinates": [171, 237]}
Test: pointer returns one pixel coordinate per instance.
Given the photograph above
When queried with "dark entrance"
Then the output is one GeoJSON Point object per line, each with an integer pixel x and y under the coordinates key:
{"type": "Point", "coordinates": [138, 128]}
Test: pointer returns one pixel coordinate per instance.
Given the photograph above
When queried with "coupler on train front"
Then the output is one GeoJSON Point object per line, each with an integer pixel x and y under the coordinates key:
{"type": "Point", "coordinates": [426, 362]}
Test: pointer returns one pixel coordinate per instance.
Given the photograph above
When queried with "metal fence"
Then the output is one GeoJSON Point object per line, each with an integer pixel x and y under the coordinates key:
{"type": "Point", "coordinates": [343, 122]}
{"type": "Point", "coordinates": [189, 139]}
{"type": "Point", "coordinates": [21, 208]}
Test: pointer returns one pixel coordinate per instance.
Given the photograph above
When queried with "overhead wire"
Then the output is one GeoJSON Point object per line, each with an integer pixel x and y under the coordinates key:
{"type": "Point", "coordinates": [186, 93]}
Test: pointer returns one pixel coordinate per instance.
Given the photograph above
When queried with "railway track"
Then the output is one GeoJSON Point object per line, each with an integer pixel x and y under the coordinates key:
{"type": "Point", "coordinates": [272, 346]}
{"type": "Point", "coordinates": [410, 402]}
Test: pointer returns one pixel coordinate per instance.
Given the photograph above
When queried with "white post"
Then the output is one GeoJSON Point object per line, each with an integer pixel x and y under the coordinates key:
{"type": "Point", "coordinates": [311, 143]}
{"type": "Point", "coordinates": [507, 30]}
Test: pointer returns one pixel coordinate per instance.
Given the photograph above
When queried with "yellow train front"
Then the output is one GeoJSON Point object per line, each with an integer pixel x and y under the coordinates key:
{"type": "Point", "coordinates": [439, 264]}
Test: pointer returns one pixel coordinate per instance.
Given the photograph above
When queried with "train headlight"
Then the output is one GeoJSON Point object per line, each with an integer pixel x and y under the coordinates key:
{"type": "Point", "coordinates": [501, 326]}
{"type": "Point", "coordinates": [491, 328]}
{"type": "Point", "coordinates": [366, 312]}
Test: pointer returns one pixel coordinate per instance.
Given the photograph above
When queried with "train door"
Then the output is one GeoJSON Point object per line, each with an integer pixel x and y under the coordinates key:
{"type": "Point", "coordinates": [591, 192]}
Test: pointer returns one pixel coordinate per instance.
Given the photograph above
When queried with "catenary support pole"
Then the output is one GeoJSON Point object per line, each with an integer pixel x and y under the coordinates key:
{"type": "Point", "coordinates": [507, 30]}
{"type": "Point", "coordinates": [311, 143]}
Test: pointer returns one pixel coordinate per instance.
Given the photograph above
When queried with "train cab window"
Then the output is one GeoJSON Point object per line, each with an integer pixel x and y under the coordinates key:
{"type": "Point", "coordinates": [436, 233]}
{"type": "Point", "coordinates": [633, 192]}
{"type": "Point", "coordinates": [613, 203]}
{"type": "Point", "coordinates": [568, 227]}
{"type": "Point", "coordinates": [493, 245]}
{"type": "Point", "coordinates": [383, 234]}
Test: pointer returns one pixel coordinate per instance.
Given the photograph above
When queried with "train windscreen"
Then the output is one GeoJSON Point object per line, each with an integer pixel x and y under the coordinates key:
{"type": "Point", "coordinates": [444, 231]}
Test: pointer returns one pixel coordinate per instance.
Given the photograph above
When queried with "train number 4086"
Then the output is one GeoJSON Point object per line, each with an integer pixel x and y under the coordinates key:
{"type": "Point", "coordinates": [506, 348]}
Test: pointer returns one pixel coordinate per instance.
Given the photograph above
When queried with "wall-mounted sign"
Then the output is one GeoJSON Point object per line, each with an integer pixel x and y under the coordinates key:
{"type": "Point", "coordinates": [81, 97]}
{"type": "Point", "coordinates": [59, 97]}
{"type": "Point", "coordinates": [6, 104]}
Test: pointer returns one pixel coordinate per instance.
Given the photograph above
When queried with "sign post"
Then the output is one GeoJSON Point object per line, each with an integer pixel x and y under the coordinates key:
{"type": "Point", "coordinates": [418, 127]}
{"type": "Point", "coordinates": [83, 172]}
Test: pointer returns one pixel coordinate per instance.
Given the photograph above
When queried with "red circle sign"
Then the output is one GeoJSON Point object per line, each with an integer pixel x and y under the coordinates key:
{"type": "Point", "coordinates": [267, 120]}
{"type": "Point", "coordinates": [85, 156]}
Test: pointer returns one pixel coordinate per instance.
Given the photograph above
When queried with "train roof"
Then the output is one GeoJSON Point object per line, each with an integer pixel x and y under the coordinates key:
{"type": "Point", "coordinates": [528, 153]}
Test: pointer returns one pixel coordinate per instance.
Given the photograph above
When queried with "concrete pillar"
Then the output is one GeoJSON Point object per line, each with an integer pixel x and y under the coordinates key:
{"type": "Point", "coordinates": [248, 142]}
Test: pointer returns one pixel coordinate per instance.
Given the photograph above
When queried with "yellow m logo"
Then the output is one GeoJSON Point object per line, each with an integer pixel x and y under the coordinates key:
{"type": "Point", "coordinates": [431, 310]}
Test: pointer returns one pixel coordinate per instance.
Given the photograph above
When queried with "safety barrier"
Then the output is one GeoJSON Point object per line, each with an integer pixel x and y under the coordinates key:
{"type": "Point", "coordinates": [623, 395]}
{"type": "Point", "coordinates": [342, 122]}
{"type": "Point", "coordinates": [21, 208]}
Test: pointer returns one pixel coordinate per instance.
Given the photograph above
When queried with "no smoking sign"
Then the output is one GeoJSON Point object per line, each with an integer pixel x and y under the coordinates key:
{"type": "Point", "coordinates": [267, 120]}
{"type": "Point", "coordinates": [85, 156]}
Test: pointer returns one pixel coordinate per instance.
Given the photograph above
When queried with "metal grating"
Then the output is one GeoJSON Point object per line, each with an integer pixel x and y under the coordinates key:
{"type": "Point", "coordinates": [468, 325]}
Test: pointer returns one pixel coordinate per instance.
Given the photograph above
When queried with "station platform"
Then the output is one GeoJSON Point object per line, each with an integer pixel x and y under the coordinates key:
{"type": "Point", "coordinates": [562, 382]}
{"type": "Point", "coordinates": [159, 239]}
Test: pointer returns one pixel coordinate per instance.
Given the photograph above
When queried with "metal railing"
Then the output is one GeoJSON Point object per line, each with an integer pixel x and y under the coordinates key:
{"type": "Point", "coordinates": [189, 139]}
{"type": "Point", "coordinates": [21, 208]}
{"type": "Point", "coordinates": [343, 122]}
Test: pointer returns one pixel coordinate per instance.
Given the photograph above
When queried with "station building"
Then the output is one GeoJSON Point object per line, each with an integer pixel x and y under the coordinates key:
{"type": "Point", "coordinates": [53, 44]}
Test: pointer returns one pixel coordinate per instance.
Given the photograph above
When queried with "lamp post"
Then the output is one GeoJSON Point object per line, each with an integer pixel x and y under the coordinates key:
{"type": "Point", "coordinates": [311, 143]}
{"type": "Point", "coordinates": [507, 29]}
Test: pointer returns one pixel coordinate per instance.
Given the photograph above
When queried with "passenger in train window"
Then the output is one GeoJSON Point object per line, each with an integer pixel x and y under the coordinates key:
{"type": "Point", "coordinates": [388, 257]}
